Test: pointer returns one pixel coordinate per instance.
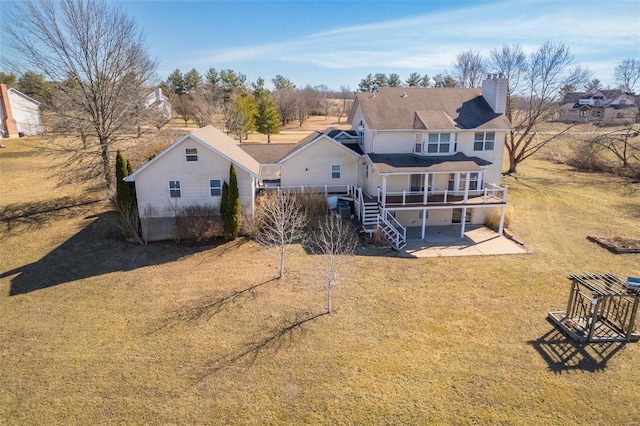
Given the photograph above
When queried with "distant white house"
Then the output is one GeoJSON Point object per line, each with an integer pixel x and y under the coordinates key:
{"type": "Point", "coordinates": [414, 158]}
{"type": "Point", "coordinates": [158, 100]}
{"type": "Point", "coordinates": [19, 114]}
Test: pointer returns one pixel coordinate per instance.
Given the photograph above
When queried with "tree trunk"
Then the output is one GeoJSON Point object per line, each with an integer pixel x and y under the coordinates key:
{"type": "Point", "coordinates": [106, 170]}
{"type": "Point", "coordinates": [281, 262]}
{"type": "Point", "coordinates": [329, 297]}
{"type": "Point", "coordinates": [513, 164]}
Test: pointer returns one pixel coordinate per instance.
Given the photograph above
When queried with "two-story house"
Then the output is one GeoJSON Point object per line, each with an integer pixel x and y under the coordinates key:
{"type": "Point", "coordinates": [432, 156]}
{"type": "Point", "coordinates": [415, 157]}
{"type": "Point", "coordinates": [599, 106]}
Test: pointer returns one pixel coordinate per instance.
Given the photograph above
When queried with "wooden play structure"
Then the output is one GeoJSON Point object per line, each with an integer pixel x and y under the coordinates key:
{"type": "Point", "coordinates": [601, 308]}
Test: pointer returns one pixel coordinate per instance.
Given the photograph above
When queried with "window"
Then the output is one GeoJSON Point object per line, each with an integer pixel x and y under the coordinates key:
{"type": "Point", "coordinates": [191, 154]}
{"type": "Point", "coordinates": [622, 102]}
{"type": "Point", "coordinates": [583, 113]}
{"type": "Point", "coordinates": [484, 141]}
{"type": "Point", "coordinates": [335, 171]}
{"type": "Point", "coordinates": [365, 170]}
{"type": "Point", "coordinates": [452, 182]}
{"type": "Point", "coordinates": [417, 148]}
{"type": "Point", "coordinates": [438, 143]}
{"type": "Point", "coordinates": [174, 189]}
{"type": "Point", "coordinates": [215, 185]}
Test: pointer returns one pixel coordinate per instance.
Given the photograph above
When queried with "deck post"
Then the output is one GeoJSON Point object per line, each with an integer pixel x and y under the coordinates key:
{"type": "Point", "coordinates": [424, 222]}
{"type": "Point", "coordinates": [466, 187]}
{"type": "Point", "coordinates": [425, 188]}
{"type": "Point", "coordinates": [504, 194]}
{"type": "Point", "coordinates": [445, 197]}
{"type": "Point", "coordinates": [463, 221]}
{"type": "Point", "coordinates": [501, 227]}
{"type": "Point", "coordinates": [404, 198]}
{"type": "Point", "coordinates": [571, 296]}
{"type": "Point", "coordinates": [384, 190]}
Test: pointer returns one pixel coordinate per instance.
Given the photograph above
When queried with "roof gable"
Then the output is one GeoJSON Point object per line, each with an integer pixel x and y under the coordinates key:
{"type": "Point", "coordinates": [210, 138]}
{"type": "Point", "coordinates": [313, 139]}
{"type": "Point", "coordinates": [22, 95]}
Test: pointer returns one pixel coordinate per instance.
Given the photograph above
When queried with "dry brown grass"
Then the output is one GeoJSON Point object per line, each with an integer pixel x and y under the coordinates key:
{"type": "Point", "coordinates": [96, 330]}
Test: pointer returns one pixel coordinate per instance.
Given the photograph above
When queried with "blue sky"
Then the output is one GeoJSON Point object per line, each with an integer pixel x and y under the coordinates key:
{"type": "Point", "coordinates": [339, 42]}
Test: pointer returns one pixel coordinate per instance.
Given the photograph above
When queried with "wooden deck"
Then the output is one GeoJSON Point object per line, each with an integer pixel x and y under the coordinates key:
{"type": "Point", "coordinates": [435, 200]}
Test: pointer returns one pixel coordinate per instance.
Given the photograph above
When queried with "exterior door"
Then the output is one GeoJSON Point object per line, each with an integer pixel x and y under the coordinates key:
{"type": "Point", "coordinates": [417, 183]}
{"type": "Point", "coordinates": [456, 216]}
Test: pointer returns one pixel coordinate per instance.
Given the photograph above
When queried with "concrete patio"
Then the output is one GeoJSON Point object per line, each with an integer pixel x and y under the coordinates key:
{"type": "Point", "coordinates": [445, 241]}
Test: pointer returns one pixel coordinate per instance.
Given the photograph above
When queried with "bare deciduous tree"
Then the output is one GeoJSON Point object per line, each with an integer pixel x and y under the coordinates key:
{"type": "Point", "coordinates": [627, 74]}
{"type": "Point", "coordinates": [96, 60]}
{"type": "Point", "coordinates": [336, 241]}
{"type": "Point", "coordinates": [286, 104]}
{"type": "Point", "coordinates": [469, 69]}
{"type": "Point", "coordinates": [280, 221]}
{"type": "Point", "coordinates": [536, 83]}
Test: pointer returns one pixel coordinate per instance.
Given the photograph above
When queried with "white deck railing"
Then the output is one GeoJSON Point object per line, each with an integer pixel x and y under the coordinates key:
{"type": "Point", "coordinates": [319, 189]}
{"type": "Point", "coordinates": [490, 194]}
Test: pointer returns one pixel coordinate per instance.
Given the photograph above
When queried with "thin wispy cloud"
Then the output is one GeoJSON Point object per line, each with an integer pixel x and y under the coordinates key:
{"type": "Point", "coordinates": [432, 41]}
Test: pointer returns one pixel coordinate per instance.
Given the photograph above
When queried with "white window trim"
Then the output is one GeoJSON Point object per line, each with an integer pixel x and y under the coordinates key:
{"type": "Point", "coordinates": [192, 155]}
{"type": "Point", "coordinates": [175, 188]}
{"type": "Point", "coordinates": [439, 143]}
{"type": "Point", "coordinates": [484, 141]}
{"type": "Point", "coordinates": [211, 187]}
{"type": "Point", "coordinates": [339, 171]}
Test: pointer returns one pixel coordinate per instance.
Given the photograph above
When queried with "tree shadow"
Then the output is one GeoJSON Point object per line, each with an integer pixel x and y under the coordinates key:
{"type": "Point", "coordinates": [205, 309]}
{"type": "Point", "coordinates": [36, 214]}
{"type": "Point", "coordinates": [96, 250]}
{"type": "Point", "coordinates": [564, 354]}
{"type": "Point", "coordinates": [287, 333]}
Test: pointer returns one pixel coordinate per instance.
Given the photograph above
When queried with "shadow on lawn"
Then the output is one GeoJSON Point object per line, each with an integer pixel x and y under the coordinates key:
{"type": "Point", "coordinates": [286, 334]}
{"type": "Point", "coordinates": [565, 354]}
{"type": "Point", "coordinates": [206, 308]}
{"type": "Point", "coordinates": [25, 216]}
{"type": "Point", "coordinates": [96, 250]}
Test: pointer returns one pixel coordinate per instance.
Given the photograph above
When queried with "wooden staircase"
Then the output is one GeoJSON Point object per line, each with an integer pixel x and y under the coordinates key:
{"type": "Point", "coordinates": [372, 218]}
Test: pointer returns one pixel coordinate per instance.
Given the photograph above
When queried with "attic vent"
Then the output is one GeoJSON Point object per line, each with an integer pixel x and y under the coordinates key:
{"type": "Point", "coordinates": [404, 95]}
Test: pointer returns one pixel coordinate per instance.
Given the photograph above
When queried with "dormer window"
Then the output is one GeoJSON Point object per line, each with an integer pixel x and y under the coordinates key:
{"type": "Point", "coordinates": [439, 143]}
{"type": "Point", "coordinates": [191, 154]}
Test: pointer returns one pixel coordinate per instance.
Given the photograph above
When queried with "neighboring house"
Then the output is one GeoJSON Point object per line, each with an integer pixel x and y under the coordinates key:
{"type": "Point", "coordinates": [599, 106]}
{"type": "Point", "coordinates": [159, 101]}
{"type": "Point", "coordinates": [415, 157]}
{"type": "Point", "coordinates": [191, 172]}
{"type": "Point", "coordinates": [19, 114]}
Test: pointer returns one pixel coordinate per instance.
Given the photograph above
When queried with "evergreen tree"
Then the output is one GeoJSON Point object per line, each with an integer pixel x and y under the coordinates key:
{"type": "Point", "coordinates": [224, 201]}
{"type": "Point", "coordinates": [233, 208]}
{"type": "Point", "coordinates": [267, 118]}
{"type": "Point", "coordinates": [125, 198]}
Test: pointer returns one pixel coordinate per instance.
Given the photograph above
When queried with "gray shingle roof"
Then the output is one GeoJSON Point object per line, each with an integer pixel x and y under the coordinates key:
{"type": "Point", "coordinates": [389, 163]}
{"type": "Point", "coordinates": [440, 108]}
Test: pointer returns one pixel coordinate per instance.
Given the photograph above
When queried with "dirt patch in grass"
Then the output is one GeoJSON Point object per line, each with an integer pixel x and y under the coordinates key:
{"type": "Point", "coordinates": [617, 245]}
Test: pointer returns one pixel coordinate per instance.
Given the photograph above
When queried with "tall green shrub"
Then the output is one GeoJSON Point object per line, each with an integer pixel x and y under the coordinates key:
{"type": "Point", "coordinates": [232, 215]}
{"type": "Point", "coordinates": [125, 194]}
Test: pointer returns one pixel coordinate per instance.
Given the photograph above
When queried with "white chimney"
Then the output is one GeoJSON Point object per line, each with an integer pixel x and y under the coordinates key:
{"type": "Point", "coordinates": [494, 91]}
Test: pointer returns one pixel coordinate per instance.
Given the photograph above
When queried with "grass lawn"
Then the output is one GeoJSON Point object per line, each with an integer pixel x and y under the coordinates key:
{"type": "Point", "coordinates": [94, 330]}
